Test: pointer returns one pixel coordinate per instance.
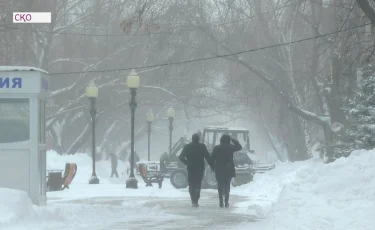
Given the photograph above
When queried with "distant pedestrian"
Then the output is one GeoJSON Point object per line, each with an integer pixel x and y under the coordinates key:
{"type": "Point", "coordinates": [223, 164]}
{"type": "Point", "coordinates": [114, 163]}
{"type": "Point", "coordinates": [164, 161]}
{"type": "Point", "coordinates": [193, 155]}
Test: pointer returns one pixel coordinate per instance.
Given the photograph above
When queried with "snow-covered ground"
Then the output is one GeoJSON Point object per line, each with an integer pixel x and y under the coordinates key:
{"type": "Point", "coordinates": [312, 195]}
{"type": "Point", "coordinates": [17, 211]}
{"type": "Point", "coordinates": [295, 196]}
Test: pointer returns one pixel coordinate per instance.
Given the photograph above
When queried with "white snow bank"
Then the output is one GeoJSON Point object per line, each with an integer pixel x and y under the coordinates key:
{"type": "Point", "coordinates": [266, 188]}
{"type": "Point", "coordinates": [313, 195]}
{"type": "Point", "coordinates": [18, 212]}
{"type": "Point", "coordinates": [15, 205]}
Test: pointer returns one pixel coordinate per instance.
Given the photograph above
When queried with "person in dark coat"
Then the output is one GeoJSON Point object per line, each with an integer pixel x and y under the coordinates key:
{"type": "Point", "coordinates": [114, 163]}
{"type": "Point", "coordinates": [164, 161]}
{"type": "Point", "coordinates": [193, 155]}
{"type": "Point", "coordinates": [223, 165]}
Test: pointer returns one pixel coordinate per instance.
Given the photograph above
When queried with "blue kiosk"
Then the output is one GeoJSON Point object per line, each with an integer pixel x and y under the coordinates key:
{"type": "Point", "coordinates": [23, 94]}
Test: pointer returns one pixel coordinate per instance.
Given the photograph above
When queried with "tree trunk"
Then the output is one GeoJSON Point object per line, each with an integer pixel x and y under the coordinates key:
{"type": "Point", "coordinates": [367, 9]}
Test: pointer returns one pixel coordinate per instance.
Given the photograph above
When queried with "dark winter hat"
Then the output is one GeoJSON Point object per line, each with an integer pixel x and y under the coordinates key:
{"type": "Point", "coordinates": [195, 137]}
{"type": "Point", "coordinates": [225, 139]}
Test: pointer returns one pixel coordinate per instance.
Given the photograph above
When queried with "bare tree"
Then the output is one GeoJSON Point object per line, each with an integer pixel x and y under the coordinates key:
{"type": "Point", "coordinates": [367, 9]}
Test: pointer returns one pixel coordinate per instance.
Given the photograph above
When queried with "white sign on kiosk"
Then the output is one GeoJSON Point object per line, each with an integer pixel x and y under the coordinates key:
{"type": "Point", "coordinates": [23, 92]}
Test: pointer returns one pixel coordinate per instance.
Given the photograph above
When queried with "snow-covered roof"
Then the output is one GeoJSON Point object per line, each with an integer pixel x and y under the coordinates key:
{"type": "Point", "coordinates": [227, 128]}
{"type": "Point", "coordinates": [21, 68]}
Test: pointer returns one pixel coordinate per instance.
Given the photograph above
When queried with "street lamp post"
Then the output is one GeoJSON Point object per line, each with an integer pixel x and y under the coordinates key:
{"type": "Point", "coordinates": [133, 84]}
{"type": "Point", "coordinates": [92, 94]}
{"type": "Point", "coordinates": [150, 118]}
{"type": "Point", "coordinates": [171, 114]}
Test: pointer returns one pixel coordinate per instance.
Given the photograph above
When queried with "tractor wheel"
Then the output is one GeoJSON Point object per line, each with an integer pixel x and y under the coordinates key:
{"type": "Point", "coordinates": [179, 179]}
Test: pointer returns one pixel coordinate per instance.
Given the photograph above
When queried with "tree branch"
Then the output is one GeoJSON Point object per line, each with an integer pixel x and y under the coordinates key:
{"type": "Point", "coordinates": [367, 9]}
{"type": "Point", "coordinates": [271, 81]}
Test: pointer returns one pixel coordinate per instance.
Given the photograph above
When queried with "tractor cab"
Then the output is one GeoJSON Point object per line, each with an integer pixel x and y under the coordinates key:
{"type": "Point", "coordinates": [211, 136]}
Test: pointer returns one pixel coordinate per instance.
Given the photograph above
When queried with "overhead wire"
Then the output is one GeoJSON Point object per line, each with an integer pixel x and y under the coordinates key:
{"type": "Point", "coordinates": [212, 57]}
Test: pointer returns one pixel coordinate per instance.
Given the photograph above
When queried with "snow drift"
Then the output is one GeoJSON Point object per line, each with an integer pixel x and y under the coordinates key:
{"type": "Point", "coordinates": [314, 195]}
{"type": "Point", "coordinates": [15, 205]}
{"type": "Point", "coordinates": [18, 212]}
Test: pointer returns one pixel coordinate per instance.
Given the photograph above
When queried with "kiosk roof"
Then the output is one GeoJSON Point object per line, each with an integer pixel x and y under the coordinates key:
{"type": "Point", "coordinates": [21, 68]}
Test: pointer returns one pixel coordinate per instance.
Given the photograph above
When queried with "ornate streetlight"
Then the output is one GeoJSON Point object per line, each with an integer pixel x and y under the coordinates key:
{"type": "Point", "coordinates": [150, 118]}
{"type": "Point", "coordinates": [92, 94]}
{"type": "Point", "coordinates": [171, 114]}
{"type": "Point", "coordinates": [133, 84]}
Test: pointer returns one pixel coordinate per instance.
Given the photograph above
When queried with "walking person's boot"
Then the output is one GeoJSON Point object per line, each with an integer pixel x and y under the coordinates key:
{"type": "Point", "coordinates": [194, 202]}
{"type": "Point", "coordinates": [197, 196]}
{"type": "Point", "coordinates": [227, 191]}
{"type": "Point", "coordinates": [226, 200]}
{"type": "Point", "coordinates": [193, 195]}
{"type": "Point", "coordinates": [221, 202]}
{"type": "Point", "coordinates": [220, 191]}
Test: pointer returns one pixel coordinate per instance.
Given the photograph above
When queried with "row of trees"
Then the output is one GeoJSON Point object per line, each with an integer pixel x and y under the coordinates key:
{"type": "Point", "coordinates": [286, 65]}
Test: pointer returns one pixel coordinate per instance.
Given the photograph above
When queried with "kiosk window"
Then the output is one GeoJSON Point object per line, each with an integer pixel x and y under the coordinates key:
{"type": "Point", "coordinates": [14, 120]}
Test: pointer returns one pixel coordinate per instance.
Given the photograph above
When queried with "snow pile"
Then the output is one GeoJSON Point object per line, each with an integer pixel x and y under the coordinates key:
{"type": "Point", "coordinates": [18, 212]}
{"type": "Point", "coordinates": [313, 195]}
{"type": "Point", "coordinates": [266, 189]}
{"type": "Point", "coordinates": [15, 205]}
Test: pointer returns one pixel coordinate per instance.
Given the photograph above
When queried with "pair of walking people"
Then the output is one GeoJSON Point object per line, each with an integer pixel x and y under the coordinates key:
{"type": "Point", "coordinates": [221, 162]}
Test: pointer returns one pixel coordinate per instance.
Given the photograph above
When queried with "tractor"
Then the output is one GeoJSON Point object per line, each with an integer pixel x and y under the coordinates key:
{"type": "Point", "coordinates": [244, 165]}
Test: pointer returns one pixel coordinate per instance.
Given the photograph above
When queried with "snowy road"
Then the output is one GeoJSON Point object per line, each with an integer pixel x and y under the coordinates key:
{"type": "Point", "coordinates": [207, 216]}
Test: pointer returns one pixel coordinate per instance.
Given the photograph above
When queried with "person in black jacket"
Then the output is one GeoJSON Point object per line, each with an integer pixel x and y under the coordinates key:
{"type": "Point", "coordinates": [223, 165]}
{"type": "Point", "coordinates": [193, 155]}
{"type": "Point", "coordinates": [164, 161]}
